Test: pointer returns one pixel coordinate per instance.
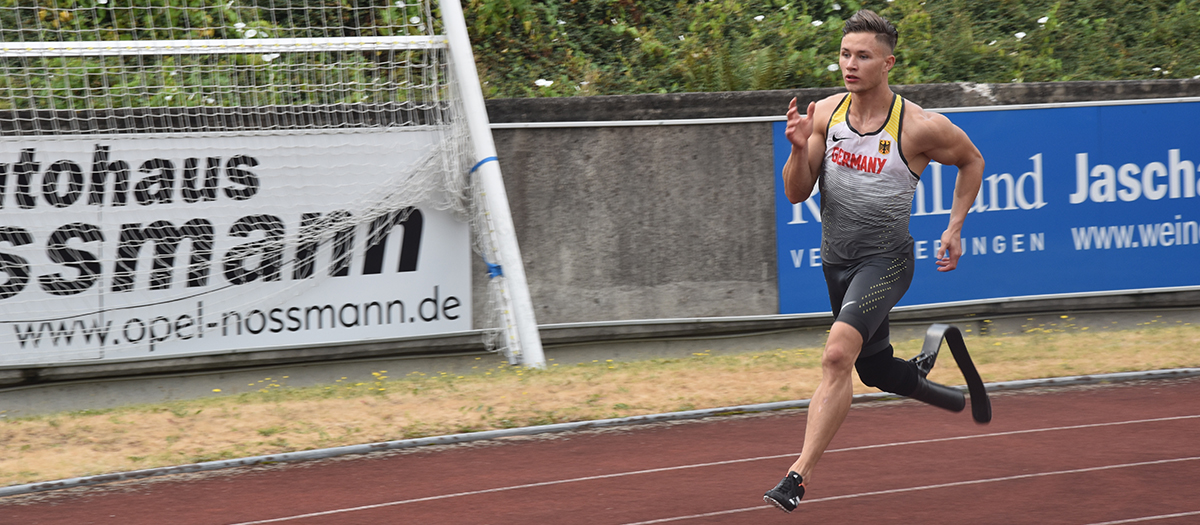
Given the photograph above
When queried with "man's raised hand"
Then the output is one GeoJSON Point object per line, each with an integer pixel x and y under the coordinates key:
{"type": "Point", "coordinates": [799, 127]}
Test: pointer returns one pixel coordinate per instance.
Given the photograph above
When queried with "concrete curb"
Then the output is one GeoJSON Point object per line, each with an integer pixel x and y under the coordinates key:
{"type": "Point", "coordinates": [560, 427]}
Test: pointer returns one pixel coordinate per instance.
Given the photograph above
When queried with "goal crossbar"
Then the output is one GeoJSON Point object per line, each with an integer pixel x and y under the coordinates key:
{"type": "Point", "coordinates": [223, 46]}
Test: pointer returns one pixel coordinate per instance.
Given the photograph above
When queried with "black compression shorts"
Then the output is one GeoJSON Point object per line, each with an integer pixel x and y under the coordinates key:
{"type": "Point", "coordinates": [863, 293]}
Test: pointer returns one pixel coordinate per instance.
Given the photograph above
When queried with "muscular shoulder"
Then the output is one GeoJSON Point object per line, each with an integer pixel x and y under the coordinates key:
{"type": "Point", "coordinates": [824, 111]}
{"type": "Point", "coordinates": [924, 130]}
{"type": "Point", "coordinates": [931, 136]}
{"type": "Point", "coordinates": [918, 123]}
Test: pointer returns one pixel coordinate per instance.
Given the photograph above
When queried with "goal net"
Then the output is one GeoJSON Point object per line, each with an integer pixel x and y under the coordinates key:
{"type": "Point", "coordinates": [201, 176]}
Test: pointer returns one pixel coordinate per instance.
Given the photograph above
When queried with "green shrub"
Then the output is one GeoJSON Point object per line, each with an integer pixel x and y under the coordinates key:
{"type": "Point", "coordinates": [656, 46]}
{"type": "Point", "coordinates": [527, 48]}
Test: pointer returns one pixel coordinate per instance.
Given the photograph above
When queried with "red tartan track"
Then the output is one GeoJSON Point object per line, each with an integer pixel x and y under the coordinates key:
{"type": "Point", "coordinates": [1124, 453]}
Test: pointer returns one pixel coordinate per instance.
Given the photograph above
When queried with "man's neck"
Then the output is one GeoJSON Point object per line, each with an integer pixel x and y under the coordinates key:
{"type": "Point", "coordinates": [869, 105]}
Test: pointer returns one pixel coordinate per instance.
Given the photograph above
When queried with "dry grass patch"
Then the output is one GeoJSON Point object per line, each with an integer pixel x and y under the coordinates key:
{"type": "Point", "coordinates": [279, 419]}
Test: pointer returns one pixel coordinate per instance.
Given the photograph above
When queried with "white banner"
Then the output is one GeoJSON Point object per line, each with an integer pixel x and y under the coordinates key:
{"type": "Point", "coordinates": [120, 247]}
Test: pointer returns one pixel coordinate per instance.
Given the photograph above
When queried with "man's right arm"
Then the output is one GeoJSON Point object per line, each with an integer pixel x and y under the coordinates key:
{"type": "Point", "coordinates": [808, 150]}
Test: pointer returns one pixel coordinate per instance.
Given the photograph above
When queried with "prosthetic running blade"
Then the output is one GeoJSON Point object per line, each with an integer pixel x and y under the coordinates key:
{"type": "Point", "coordinates": [981, 406]}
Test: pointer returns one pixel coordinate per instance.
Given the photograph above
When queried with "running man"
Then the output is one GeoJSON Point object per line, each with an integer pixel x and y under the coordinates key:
{"type": "Point", "coordinates": [867, 148]}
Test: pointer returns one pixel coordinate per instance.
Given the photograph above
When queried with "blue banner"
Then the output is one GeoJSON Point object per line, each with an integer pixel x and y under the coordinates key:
{"type": "Point", "coordinates": [1074, 200]}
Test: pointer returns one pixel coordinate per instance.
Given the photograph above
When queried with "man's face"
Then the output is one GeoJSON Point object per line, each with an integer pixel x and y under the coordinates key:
{"type": "Point", "coordinates": [865, 62]}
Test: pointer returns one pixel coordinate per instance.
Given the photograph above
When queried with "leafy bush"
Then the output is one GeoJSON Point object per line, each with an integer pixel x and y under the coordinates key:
{"type": "Point", "coordinates": [658, 46]}
{"type": "Point", "coordinates": [528, 48]}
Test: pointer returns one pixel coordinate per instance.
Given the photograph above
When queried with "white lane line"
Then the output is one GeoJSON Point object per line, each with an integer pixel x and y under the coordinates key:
{"type": "Point", "coordinates": [513, 487]}
{"type": "Point", "coordinates": [1150, 518]}
{"type": "Point", "coordinates": [711, 464]}
{"type": "Point", "coordinates": [948, 485]}
{"type": "Point", "coordinates": [1017, 432]}
{"type": "Point", "coordinates": [705, 515]}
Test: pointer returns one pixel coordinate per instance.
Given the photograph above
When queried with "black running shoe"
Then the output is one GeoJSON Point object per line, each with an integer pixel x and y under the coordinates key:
{"type": "Point", "coordinates": [786, 495]}
{"type": "Point", "coordinates": [925, 362]}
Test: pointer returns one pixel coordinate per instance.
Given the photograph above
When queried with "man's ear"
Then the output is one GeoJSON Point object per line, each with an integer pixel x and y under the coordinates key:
{"type": "Point", "coordinates": [890, 62]}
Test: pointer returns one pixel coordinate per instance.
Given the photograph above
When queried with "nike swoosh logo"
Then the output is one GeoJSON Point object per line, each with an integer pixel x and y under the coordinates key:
{"type": "Point", "coordinates": [848, 304]}
{"type": "Point", "coordinates": [836, 138]}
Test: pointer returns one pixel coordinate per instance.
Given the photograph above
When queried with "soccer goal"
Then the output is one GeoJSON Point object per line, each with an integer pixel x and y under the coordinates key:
{"type": "Point", "coordinates": [239, 175]}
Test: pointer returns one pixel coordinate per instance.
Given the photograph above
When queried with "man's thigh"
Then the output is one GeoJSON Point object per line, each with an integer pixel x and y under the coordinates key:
{"type": "Point", "coordinates": [872, 288]}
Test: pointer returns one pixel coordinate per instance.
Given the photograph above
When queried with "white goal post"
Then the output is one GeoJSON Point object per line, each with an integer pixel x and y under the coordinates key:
{"type": "Point", "coordinates": [522, 331]}
{"type": "Point", "coordinates": [223, 178]}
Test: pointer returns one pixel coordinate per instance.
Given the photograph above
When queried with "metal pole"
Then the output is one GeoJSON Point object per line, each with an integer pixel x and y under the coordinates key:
{"type": "Point", "coordinates": [496, 200]}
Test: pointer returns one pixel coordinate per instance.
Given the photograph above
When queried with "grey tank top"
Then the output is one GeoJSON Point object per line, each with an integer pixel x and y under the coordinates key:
{"type": "Point", "coordinates": [866, 189]}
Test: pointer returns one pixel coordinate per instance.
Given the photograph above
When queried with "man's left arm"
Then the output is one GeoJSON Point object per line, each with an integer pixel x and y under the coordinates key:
{"type": "Point", "coordinates": [952, 147]}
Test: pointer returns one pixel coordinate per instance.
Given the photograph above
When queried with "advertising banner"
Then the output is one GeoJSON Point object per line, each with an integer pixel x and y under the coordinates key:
{"type": "Point", "coordinates": [1075, 200]}
{"type": "Point", "coordinates": [128, 247]}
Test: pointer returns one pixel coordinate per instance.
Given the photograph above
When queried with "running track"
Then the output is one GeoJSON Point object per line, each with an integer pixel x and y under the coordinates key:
{"type": "Point", "coordinates": [1126, 453]}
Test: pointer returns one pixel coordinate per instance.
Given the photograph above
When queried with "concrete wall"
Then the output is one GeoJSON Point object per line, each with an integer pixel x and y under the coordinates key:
{"type": "Point", "coordinates": [644, 222]}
